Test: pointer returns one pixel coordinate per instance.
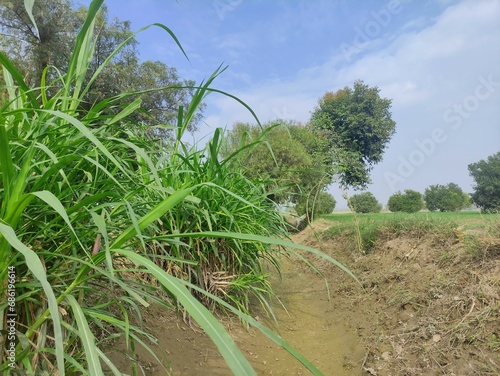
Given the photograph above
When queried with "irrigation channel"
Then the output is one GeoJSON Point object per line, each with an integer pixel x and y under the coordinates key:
{"type": "Point", "coordinates": [428, 306]}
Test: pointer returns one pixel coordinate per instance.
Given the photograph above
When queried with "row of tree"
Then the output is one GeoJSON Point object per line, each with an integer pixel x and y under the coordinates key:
{"type": "Point", "coordinates": [346, 136]}
{"type": "Point", "coordinates": [444, 198]}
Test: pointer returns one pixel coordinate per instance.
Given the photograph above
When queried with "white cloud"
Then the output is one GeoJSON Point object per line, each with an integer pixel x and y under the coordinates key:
{"type": "Point", "coordinates": [231, 41]}
{"type": "Point", "coordinates": [424, 71]}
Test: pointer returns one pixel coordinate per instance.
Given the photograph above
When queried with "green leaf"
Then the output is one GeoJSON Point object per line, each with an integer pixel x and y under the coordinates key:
{"type": "Point", "coordinates": [126, 111]}
{"type": "Point", "coordinates": [86, 338]}
{"type": "Point", "coordinates": [82, 39]}
{"type": "Point", "coordinates": [28, 4]}
{"type": "Point", "coordinates": [153, 215]}
{"type": "Point", "coordinates": [18, 77]}
{"type": "Point", "coordinates": [109, 363]}
{"type": "Point", "coordinates": [54, 202]}
{"type": "Point", "coordinates": [35, 266]}
{"type": "Point", "coordinates": [96, 74]}
{"type": "Point", "coordinates": [142, 154]}
{"type": "Point", "coordinates": [6, 163]}
{"type": "Point", "coordinates": [90, 136]}
{"type": "Point", "coordinates": [265, 240]}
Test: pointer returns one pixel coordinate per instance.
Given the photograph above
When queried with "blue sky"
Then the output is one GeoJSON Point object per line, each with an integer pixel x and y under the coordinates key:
{"type": "Point", "coordinates": [439, 62]}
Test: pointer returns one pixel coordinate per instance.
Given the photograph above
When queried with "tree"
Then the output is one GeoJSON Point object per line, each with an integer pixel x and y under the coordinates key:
{"type": "Point", "coordinates": [49, 45]}
{"type": "Point", "coordinates": [486, 174]}
{"type": "Point", "coordinates": [445, 198]}
{"type": "Point", "coordinates": [286, 156]}
{"type": "Point", "coordinates": [358, 125]}
{"type": "Point", "coordinates": [35, 48]}
{"type": "Point", "coordinates": [364, 203]}
{"type": "Point", "coordinates": [324, 203]}
{"type": "Point", "coordinates": [410, 201]}
{"type": "Point", "coordinates": [159, 107]}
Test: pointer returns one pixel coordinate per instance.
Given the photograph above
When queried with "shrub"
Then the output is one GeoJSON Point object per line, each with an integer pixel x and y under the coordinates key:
{"type": "Point", "coordinates": [374, 229]}
{"type": "Point", "coordinates": [410, 201]}
{"type": "Point", "coordinates": [486, 174]}
{"type": "Point", "coordinates": [324, 204]}
{"type": "Point", "coordinates": [445, 198]}
{"type": "Point", "coordinates": [365, 203]}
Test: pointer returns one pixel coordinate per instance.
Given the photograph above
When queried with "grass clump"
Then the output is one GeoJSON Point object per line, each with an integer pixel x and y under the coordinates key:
{"type": "Point", "coordinates": [228, 202]}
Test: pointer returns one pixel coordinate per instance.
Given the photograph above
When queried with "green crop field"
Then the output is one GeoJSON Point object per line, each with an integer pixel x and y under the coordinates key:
{"type": "Point", "coordinates": [364, 230]}
{"type": "Point", "coordinates": [459, 217]}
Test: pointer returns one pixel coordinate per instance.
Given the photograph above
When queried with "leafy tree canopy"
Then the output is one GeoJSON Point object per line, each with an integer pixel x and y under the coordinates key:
{"type": "Point", "coordinates": [50, 45]}
{"type": "Point", "coordinates": [35, 48]}
{"type": "Point", "coordinates": [486, 174]}
{"type": "Point", "coordinates": [364, 203]}
{"type": "Point", "coordinates": [289, 157]}
{"type": "Point", "coordinates": [410, 201]}
{"type": "Point", "coordinates": [358, 125]}
{"type": "Point", "coordinates": [448, 198]}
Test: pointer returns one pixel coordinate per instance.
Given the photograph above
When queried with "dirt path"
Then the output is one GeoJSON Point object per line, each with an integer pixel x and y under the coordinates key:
{"type": "Point", "coordinates": [311, 324]}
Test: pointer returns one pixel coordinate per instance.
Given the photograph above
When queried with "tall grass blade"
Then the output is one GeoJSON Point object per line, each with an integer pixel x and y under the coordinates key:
{"type": "Point", "coordinates": [28, 5]}
{"type": "Point", "coordinates": [35, 266]}
{"type": "Point", "coordinates": [264, 240]}
{"type": "Point", "coordinates": [89, 135]}
{"type": "Point", "coordinates": [86, 338]}
{"type": "Point", "coordinates": [228, 349]}
{"type": "Point", "coordinates": [51, 200]}
{"type": "Point", "coordinates": [123, 44]}
{"type": "Point", "coordinates": [153, 215]}
{"type": "Point", "coordinates": [130, 109]}
{"type": "Point", "coordinates": [76, 58]}
{"type": "Point", "coordinates": [6, 163]}
{"type": "Point", "coordinates": [143, 155]}
{"type": "Point", "coordinates": [18, 78]}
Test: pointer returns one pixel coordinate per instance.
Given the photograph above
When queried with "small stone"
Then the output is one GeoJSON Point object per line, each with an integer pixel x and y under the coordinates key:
{"type": "Point", "coordinates": [436, 338]}
{"type": "Point", "coordinates": [386, 356]}
{"type": "Point", "coordinates": [371, 371]}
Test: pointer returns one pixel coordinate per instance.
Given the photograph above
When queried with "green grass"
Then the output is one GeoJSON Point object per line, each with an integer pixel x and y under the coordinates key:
{"type": "Point", "coordinates": [366, 229]}
{"type": "Point", "coordinates": [467, 219]}
{"type": "Point", "coordinates": [456, 216]}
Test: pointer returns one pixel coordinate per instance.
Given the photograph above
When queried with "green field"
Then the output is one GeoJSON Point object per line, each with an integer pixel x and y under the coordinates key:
{"type": "Point", "coordinates": [459, 217]}
{"type": "Point", "coordinates": [362, 231]}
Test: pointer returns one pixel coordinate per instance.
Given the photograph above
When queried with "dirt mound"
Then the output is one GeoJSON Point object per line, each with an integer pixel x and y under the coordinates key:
{"type": "Point", "coordinates": [433, 304]}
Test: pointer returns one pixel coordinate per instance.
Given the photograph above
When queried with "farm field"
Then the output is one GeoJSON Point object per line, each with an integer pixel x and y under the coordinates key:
{"type": "Point", "coordinates": [428, 303]}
